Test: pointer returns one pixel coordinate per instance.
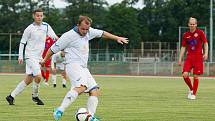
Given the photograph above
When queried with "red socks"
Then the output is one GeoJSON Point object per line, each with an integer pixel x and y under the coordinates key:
{"type": "Point", "coordinates": [47, 75]}
{"type": "Point", "coordinates": [188, 82]}
{"type": "Point", "coordinates": [43, 74]}
{"type": "Point", "coordinates": [195, 85]}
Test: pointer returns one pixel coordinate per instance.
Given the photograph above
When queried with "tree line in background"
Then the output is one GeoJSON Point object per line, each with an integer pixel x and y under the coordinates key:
{"type": "Point", "coordinates": [157, 21]}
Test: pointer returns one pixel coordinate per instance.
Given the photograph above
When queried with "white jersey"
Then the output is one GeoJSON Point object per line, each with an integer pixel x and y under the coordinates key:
{"type": "Point", "coordinates": [34, 38]}
{"type": "Point", "coordinates": [76, 47]}
{"type": "Point", "coordinates": [57, 58]}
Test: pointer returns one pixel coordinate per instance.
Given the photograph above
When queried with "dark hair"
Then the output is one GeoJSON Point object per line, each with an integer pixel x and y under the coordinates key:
{"type": "Point", "coordinates": [37, 10]}
{"type": "Point", "coordinates": [87, 19]}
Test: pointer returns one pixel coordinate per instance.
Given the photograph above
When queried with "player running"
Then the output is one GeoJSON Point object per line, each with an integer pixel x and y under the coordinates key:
{"type": "Point", "coordinates": [33, 40]}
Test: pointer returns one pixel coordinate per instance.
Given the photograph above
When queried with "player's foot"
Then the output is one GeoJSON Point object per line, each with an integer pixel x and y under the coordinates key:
{"type": "Point", "coordinates": [10, 100]}
{"type": "Point", "coordinates": [192, 97]}
{"type": "Point", "coordinates": [46, 83]}
{"type": "Point", "coordinates": [37, 100]}
{"type": "Point", "coordinates": [190, 93]}
{"type": "Point", "coordinates": [57, 114]}
{"type": "Point", "coordinates": [64, 86]}
{"type": "Point", "coordinates": [54, 85]}
{"type": "Point", "coordinates": [93, 119]}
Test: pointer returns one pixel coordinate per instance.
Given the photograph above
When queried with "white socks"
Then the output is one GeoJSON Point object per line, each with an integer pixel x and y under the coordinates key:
{"type": "Point", "coordinates": [19, 88]}
{"type": "Point", "coordinates": [63, 81]}
{"type": "Point", "coordinates": [35, 91]}
{"type": "Point", "coordinates": [68, 99]}
{"type": "Point", "coordinates": [92, 104]}
{"type": "Point", "coordinates": [54, 78]}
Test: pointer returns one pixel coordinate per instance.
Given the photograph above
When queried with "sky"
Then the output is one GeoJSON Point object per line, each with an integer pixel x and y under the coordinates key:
{"type": "Point", "coordinates": [62, 4]}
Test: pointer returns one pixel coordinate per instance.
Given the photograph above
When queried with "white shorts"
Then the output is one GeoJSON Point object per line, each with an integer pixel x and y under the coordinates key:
{"type": "Point", "coordinates": [80, 76]}
{"type": "Point", "coordinates": [32, 67]}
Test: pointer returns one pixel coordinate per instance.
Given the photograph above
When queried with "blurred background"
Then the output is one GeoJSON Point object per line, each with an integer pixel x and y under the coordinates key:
{"type": "Point", "coordinates": [154, 29]}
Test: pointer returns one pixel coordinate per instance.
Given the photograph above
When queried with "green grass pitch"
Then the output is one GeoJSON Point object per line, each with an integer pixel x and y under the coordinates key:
{"type": "Point", "coordinates": [122, 99]}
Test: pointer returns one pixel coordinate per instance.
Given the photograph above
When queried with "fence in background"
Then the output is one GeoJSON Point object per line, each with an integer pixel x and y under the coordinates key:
{"type": "Point", "coordinates": [120, 68]}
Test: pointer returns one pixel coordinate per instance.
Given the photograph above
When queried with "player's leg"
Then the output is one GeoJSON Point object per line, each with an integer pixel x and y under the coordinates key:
{"type": "Point", "coordinates": [43, 73]}
{"type": "Point", "coordinates": [47, 66]}
{"type": "Point", "coordinates": [78, 86]}
{"type": "Point", "coordinates": [64, 78]}
{"type": "Point", "coordinates": [197, 71]}
{"type": "Point", "coordinates": [93, 89]}
{"type": "Point", "coordinates": [185, 73]}
{"type": "Point", "coordinates": [54, 76]}
{"type": "Point", "coordinates": [36, 84]}
{"type": "Point", "coordinates": [70, 97]}
{"type": "Point", "coordinates": [19, 89]}
{"type": "Point", "coordinates": [92, 102]}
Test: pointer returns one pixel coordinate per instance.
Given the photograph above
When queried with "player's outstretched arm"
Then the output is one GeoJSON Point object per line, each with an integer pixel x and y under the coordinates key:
{"type": "Point", "coordinates": [121, 40]}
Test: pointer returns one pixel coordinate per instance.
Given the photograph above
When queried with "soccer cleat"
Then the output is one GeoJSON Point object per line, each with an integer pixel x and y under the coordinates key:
{"type": "Point", "coordinates": [57, 114]}
{"type": "Point", "coordinates": [93, 119]}
{"type": "Point", "coordinates": [190, 93]}
{"type": "Point", "coordinates": [64, 86]}
{"type": "Point", "coordinates": [54, 85]}
{"type": "Point", "coordinates": [37, 100]}
{"type": "Point", "coordinates": [192, 97]}
{"type": "Point", "coordinates": [46, 83]}
{"type": "Point", "coordinates": [10, 100]}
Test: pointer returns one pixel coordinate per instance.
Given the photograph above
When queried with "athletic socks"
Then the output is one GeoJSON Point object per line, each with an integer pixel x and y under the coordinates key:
{"type": "Point", "coordinates": [92, 104]}
{"type": "Point", "coordinates": [68, 99]}
{"type": "Point", "coordinates": [188, 82]}
{"type": "Point", "coordinates": [47, 75]}
{"type": "Point", "coordinates": [54, 78]}
{"type": "Point", "coordinates": [195, 85]}
{"type": "Point", "coordinates": [19, 88]}
{"type": "Point", "coordinates": [35, 90]}
{"type": "Point", "coordinates": [63, 81]}
{"type": "Point", "coordinates": [43, 74]}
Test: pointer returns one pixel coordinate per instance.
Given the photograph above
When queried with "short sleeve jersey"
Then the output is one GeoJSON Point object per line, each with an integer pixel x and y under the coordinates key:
{"type": "Point", "coordinates": [193, 41]}
{"type": "Point", "coordinates": [34, 37]}
{"type": "Point", "coordinates": [75, 46]}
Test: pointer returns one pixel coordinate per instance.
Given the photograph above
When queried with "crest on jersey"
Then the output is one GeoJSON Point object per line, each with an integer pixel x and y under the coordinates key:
{"type": "Point", "coordinates": [196, 35]}
{"type": "Point", "coordinates": [192, 43]}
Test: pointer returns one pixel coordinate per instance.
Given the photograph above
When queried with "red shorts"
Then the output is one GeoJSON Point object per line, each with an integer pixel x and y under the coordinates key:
{"type": "Point", "coordinates": [194, 62]}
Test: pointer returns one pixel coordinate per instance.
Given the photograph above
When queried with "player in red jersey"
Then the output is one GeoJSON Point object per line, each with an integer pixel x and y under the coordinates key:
{"type": "Point", "coordinates": [192, 41]}
{"type": "Point", "coordinates": [46, 69]}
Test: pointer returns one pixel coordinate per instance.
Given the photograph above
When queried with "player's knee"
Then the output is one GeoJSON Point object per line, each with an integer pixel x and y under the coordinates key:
{"type": "Point", "coordinates": [95, 92]}
{"type": "Point", "coordinates": [185, 74]}
{"type": "Point", "coordinates": [37, 78]}
{"type": "Point", "coordinates": [196, 77]}
{"type": "Point", "coordinates": [80, 89]}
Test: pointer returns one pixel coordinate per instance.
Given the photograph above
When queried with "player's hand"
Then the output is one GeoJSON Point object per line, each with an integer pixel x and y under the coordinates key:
{"type": "Point", "coordinates": [20, 61]}
{"type": "Point", "coordinates": [122, 40]}
{"type": "Point", "coordinates": [205, 57]}
{"type": "Point", "coordinates": [42, 62]}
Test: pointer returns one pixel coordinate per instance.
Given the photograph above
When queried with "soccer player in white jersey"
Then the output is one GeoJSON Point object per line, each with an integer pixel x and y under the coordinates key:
{"type": "Point", "coordinates": [75, 44]}
{"type": "Point", "coordinates": [33, 40]}
{"type": "Point", "coordinates": [58, 63]}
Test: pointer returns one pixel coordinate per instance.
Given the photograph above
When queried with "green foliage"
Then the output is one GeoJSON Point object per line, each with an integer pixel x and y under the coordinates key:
{"type": "Point", "coordinates": [158, 20]}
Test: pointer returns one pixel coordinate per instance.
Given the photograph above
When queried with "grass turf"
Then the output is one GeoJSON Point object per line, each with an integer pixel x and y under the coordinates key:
{"type": "Point", "coordinates": [122, 99]}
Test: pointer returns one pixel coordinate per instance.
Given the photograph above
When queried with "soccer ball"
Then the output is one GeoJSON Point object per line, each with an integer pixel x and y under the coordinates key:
{"type": "Point", "coordinates": [82, 114]}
